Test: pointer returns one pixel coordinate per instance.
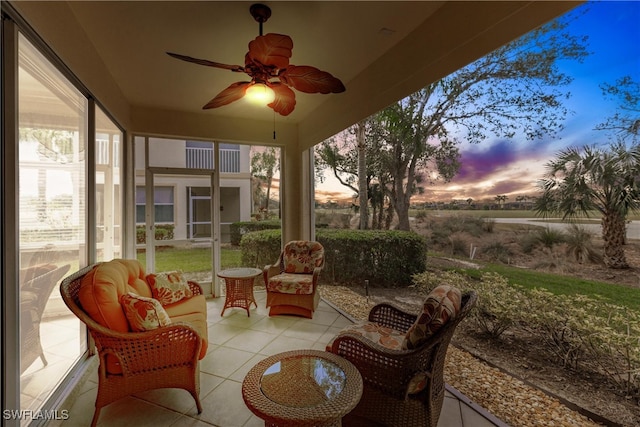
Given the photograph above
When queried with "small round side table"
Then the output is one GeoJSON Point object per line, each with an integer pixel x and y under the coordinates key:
{"type": "Point", "coordinates": [239, 286]}
{"type": "Point", "coordinates": [302, 388]}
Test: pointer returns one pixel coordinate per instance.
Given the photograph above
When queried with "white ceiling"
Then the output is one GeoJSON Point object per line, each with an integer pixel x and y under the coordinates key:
{"type": "Point", "coordinates": [381, 50]}
{"type": "Point", "coordinates": [342, 38]}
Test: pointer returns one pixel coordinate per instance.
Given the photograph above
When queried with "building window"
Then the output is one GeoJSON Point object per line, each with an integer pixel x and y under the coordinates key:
{"type": "Point", "coordinates": [163, 201]}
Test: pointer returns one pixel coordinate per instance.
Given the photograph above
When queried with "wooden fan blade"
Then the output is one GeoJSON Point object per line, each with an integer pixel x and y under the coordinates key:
{"type": "Point", "coordinates": [236, 68]}
{"type": "Point", "coordinates": [229, 95]}
{"type": "Point", "coordinates": [285, 100]}
{"type": "Point", "coordinates": [271, 50]}
{"type": "Point", "coordinates": [310, 80]}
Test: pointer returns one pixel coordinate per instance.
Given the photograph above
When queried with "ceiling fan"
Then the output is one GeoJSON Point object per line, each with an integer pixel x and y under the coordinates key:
{"type": "Point", "coordinates": [267, 63]}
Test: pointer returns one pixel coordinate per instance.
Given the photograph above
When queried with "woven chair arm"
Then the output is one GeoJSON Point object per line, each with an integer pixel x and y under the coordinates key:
{"type": "Point", "coordinates": [392, 316]}
{"type": "Point", "coordinates": [195, 287]}
{"type": "Point", "coordinates": [270, 271]}
{"type": "Point", "coordinates": [316, 275]}
{"type": "Point", "coordinates": [174, 345]}
{"type": "Point", "coordinates": [381, 368]}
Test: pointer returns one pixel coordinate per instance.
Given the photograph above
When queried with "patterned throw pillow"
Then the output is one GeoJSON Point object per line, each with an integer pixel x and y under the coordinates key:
{"type": "Point", "coordinates": [441, 305]}
{"type": "Point", "coordinates": [143, 314]}
{"type": "Point", "coordinates": [169, 287]}
{"type": "Point", "coordinates": [301, 256]}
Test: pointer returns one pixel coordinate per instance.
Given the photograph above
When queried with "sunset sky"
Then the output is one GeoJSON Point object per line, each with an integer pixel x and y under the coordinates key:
{"type": "Point", "coordinates": [511, 167]}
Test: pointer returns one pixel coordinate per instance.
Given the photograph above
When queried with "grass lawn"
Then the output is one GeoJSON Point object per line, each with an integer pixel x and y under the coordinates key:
{"type": "Point", "coordinates": [565, 285]}
{"type": "Point", "coordinates": [192, 260]}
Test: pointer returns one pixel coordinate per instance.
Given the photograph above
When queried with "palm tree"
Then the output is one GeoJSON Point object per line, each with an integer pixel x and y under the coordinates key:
{"type": "Point", "coordinates": [578, 182]}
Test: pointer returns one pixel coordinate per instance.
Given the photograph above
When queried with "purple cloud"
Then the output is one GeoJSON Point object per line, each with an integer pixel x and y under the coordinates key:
{"type": "Point", "coordinates": [479, 162]}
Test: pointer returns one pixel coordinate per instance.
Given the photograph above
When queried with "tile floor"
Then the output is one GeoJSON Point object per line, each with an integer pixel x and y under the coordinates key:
{"type": "Point", "coordinates": [236, 344]}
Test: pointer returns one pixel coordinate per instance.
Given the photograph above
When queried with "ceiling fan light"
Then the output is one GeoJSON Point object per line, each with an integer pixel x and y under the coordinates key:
{"type": "Point", "coordinates": [260, 93]}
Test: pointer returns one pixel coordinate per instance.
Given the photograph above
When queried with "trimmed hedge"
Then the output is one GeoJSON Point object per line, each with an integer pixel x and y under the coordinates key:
{"type": "Point", "coordinates": [384, 258]}
{"type": "Point", "coordinates": [239, 229]}
{"type": "Point", "coordinates": [162, 232]}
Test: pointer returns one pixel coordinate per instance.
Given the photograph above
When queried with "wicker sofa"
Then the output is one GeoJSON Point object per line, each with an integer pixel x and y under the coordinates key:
{"type": "Point", "coordinates": [162, 356]}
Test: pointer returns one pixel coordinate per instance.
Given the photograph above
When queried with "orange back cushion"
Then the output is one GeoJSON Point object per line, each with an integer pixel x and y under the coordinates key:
{"type": "Point", "coordinates": [102, 288]}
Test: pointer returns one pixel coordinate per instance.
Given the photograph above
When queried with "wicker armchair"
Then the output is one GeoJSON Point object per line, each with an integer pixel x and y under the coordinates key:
{"type": "Point", "coordinates": [36, 285]}
{"type": "Point", "coordinates": [387, 374]}
{"type": "Point", "coordinates": [166, 357]}
{"type": "Point", "coordinates": [293, 280]}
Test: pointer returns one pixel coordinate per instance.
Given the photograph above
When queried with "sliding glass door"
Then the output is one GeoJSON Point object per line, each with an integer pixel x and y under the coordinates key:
{"type": "Point", "coordinates": [52, 197]}
{"type": "Point", "coordinates": [175, 226]}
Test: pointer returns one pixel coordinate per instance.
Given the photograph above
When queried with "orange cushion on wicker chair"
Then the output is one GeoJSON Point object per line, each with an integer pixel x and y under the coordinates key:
{"type": "Point", "coordinates": [143, 314]}
{"type": "Point", "coordinates": [169, 287]}
{"type": "Point", "coordinates": [441, 305]}
{"type": "Point", "coordinates": [386, 337]}
{"type": "Point", "coordinates": [288, 283]}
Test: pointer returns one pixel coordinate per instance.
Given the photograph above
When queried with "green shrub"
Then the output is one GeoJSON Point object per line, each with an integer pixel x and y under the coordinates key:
{"type": "Point", "coordinates": [426, 281]}
{"type": "Point", "coordinates": [528, 242]}
{"type": "Point", "coordinates": [384, 258]}
{"type": "Point", "coordinates": [549, 237]}
{"type": "Point", "coordinates": [554, 320]}
{"type": "Point", "coordinates": [498, 304]}
{"type": "Point", "coordinates": [443, 231]}
{"type": "Point", "coordinates": [579, 244]}
{"type": "Point", "coordinates": [488, 224]}
{"type": "Point", "coordinates": [460, 243]}
{"type": "Point", "coordinates": [260, 248]}
{"type": "Point", "coordinates": [497, 251]}
{"type": "Point", "coordinates": [238, 229]}
{"type": "Point", "coordinates": [421, 215]}
{"type": "Point", "coordinates": [162, 232]}
{"type": "Point", "coordinates": [576, 331]}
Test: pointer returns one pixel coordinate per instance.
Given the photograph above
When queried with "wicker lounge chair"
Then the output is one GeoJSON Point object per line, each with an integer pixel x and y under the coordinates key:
{"type": "Point", "coordinates": [36, 285]}
{"type": "Point", "coordinates": [292, 281]}
{"type": "Point", "coordinates": [166, 357]}
{"type": "Point", "coordinates": [388, 399]}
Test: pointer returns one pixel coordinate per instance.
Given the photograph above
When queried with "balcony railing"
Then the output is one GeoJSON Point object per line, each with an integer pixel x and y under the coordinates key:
{"type": "Point", "coordinates": [104, 154]}
{"type": "Point", "coordinates": [202, 158]}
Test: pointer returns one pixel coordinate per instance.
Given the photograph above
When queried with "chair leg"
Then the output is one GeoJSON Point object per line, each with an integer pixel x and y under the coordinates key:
{"type": "Point", "coordinates": [96, 415]}
{"type": "Point", "coordinates": [197, 399]}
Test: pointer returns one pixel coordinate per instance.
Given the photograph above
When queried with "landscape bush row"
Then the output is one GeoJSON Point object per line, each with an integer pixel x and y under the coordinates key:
{"type": "Point", "coordinates": [161, 232]}
{"type": "Point", "coordinates": [239, 229]}
{"type": "Point", "coordinates": [384, 258]}
{"type": "Point", "coordinates": [578, 332]}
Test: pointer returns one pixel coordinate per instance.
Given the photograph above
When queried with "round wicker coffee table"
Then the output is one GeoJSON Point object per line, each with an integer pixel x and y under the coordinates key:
{"type": "Point", "coordinates": [239, 287]}
{"type": "Point", "coordinates": [302, 388]}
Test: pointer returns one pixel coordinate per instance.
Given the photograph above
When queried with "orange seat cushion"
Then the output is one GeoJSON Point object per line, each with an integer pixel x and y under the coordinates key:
{"type": "Point", "coordinates": [289, 283]}
{"type": "Point", "coordinates": [381, 335]}
{"type": "Point", "coordinates": [193, 311]}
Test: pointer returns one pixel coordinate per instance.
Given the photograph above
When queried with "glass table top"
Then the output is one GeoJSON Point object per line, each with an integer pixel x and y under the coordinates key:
{"type": "Point", "coordinates": [302, 381]}
{"type": "Point", "coordinates": [240, 272]}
